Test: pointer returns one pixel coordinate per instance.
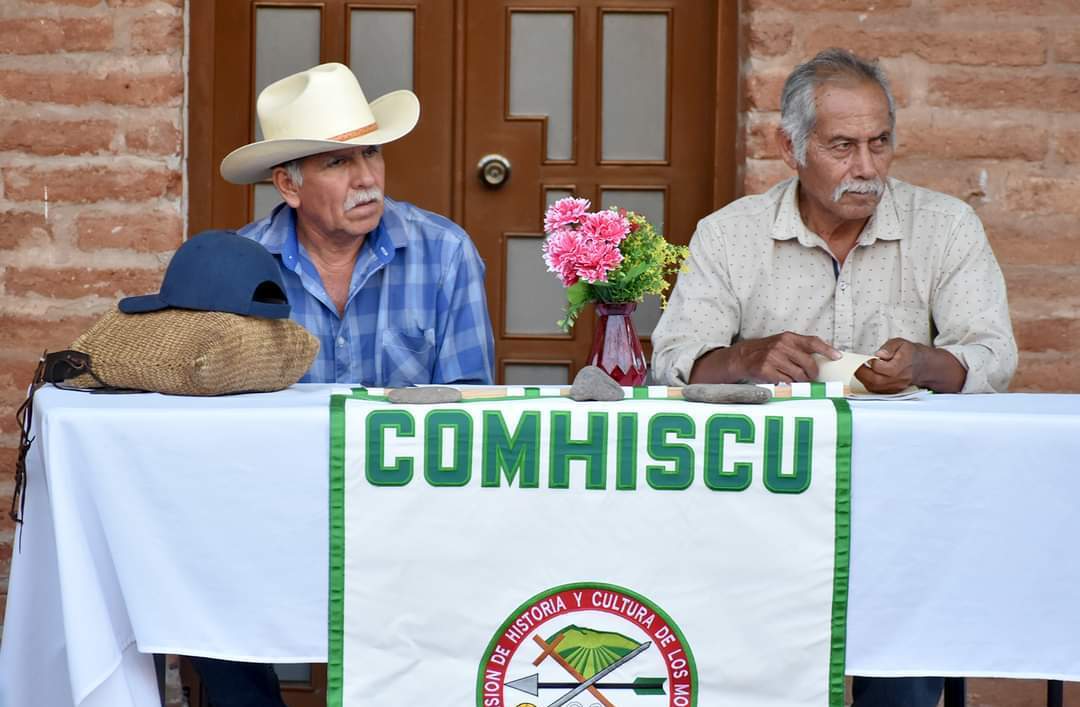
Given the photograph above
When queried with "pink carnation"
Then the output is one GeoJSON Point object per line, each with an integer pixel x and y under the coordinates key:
{"type": "Point", "coordinates": [564, 212]}
{"type": "Point", "coordinates": [606, 226]}
{"type": "Point", "coordinates": [561, 254]}
{"type": "Point", "coordinates": [596, 258]}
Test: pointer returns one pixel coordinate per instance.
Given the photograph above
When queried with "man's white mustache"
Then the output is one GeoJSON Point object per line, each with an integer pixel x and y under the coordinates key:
{"type": "Point", "coordinates": [362, 196]}
{"type": "Point", "coordinates": [859, 186]}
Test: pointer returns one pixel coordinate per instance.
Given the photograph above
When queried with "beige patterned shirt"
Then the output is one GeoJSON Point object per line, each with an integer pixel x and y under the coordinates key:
{"type": "Point", "coordinates": [922, 270]}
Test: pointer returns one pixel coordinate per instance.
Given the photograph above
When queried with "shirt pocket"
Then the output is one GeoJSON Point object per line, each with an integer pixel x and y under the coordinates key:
{"type": "Point", "coordinates": [911, 323]}
{"type": "Point", "coordinates": [408, 356]}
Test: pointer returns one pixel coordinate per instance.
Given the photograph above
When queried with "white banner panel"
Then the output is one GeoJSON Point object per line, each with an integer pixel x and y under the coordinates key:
{"type": "Point", "coordinates": [538, 552]}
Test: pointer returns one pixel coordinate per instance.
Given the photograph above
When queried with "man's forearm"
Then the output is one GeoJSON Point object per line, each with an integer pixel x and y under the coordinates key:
{"type": "Point", "coordinates": [716, 366]}
{"type": "Point", "coordinates": [938, 370]}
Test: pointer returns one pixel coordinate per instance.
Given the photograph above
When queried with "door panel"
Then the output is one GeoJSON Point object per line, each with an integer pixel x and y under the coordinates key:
{"type": "Point", "coordinates": [641, 98]}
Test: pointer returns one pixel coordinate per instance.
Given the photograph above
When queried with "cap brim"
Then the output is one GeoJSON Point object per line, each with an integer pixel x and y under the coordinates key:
{"type": "Point", "coordinates": [142, 303]}
{"type": "Point", "coordinates": [270, 310]}
{"type": "Point", "coordinates": [396, 114]}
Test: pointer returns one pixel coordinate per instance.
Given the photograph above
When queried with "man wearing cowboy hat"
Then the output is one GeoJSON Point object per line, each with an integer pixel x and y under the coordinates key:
{"type": "Point", "coordinates": [395, 294]}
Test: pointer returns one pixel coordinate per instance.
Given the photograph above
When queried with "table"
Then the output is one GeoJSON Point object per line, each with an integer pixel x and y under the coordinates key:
{"type": "Point", "coordinates": [197, 526]}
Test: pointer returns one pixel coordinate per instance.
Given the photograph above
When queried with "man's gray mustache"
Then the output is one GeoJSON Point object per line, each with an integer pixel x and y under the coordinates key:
{"type": "Point", "coordinates": [361, 196]}
{"type": "Point", "coordinates": [860, 186]}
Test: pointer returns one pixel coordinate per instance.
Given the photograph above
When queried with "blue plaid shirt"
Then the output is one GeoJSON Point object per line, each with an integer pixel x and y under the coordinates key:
{"type": "Point", "coordinates": [416, 311]}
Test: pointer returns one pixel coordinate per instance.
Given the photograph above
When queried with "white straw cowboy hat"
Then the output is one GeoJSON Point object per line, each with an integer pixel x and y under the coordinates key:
{"type": "Point", "coordinates": [318, 110]}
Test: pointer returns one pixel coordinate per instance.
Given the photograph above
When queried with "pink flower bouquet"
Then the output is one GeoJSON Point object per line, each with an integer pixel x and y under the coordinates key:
{"type": "Point", "coordinates": [612, 256]}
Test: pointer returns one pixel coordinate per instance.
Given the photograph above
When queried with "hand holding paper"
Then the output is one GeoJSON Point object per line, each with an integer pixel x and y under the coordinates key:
{"type": "Point", "coordinates": [844, 369]}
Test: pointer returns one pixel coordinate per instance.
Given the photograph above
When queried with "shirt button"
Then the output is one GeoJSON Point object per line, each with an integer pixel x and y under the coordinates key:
{"type": "Point", "coordinates": [341, 341]}
{"type": "Point", "coordinates": [843, 286]}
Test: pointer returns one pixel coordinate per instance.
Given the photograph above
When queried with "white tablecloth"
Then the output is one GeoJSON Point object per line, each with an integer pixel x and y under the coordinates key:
{"type": "Point", "coordinates": [159, 524]}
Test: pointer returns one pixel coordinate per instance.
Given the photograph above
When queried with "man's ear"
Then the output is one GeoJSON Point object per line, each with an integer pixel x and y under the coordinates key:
{"type": "Point", "coordinates": [787, 148]}
{"type": "Point", "coordinates": [285, 186]}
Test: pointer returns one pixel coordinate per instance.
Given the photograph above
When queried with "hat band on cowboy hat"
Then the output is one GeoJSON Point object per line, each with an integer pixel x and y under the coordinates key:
{"type": "Point", "coordinates": [316, 111]}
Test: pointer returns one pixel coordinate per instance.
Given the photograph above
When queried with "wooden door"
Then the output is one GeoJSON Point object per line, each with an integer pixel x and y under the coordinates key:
{"type": "Point", "coordinates": [610, 100]}
{"type": "Point", "coordinates": [240, 46]}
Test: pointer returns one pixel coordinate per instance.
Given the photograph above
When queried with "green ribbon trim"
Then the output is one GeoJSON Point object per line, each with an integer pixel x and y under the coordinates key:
{"type": "Point", "coordinates": [336, 629]}
{"type": "Point", "coordinates": [841, 566]}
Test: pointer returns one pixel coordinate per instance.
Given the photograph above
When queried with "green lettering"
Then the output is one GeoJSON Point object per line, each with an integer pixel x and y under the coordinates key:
{"type": "Point", "coordinates": [506, 454]}
{"type": "Point", "coordinates": [796, 481]}
{"type": "Point", "coordinates": [716, 430]}
{"type": "Point", "coordinates": [592, 450]}
{"type": "Point", "coordinates": [660, 477]}
{"type": "Point", "coordinates": [460, 470]}
{"type": "Point", "coordinates": [378, 474]}
{"type": "Point", "coordinates": [626, 455]}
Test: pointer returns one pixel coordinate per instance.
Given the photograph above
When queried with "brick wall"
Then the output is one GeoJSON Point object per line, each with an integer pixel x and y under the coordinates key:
{"type": "Point", "coordinates": [90, 178]}
{"type": "Point", "coordinates": [988, 96]}
{"type": "Point", "coordinates": [91, 111]}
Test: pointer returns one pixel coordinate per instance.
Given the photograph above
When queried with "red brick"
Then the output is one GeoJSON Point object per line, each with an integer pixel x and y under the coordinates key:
{"type": "Point", "coordinates": [78, 89]}
{"type": "Point", "coordinates": [1046, 373]}
{"type": "Point", "coordinates": [23, 228]}
{"type": "Point", "coordinates": [761, 140]}
{"type": "Point", "coordinates": [968, 138]}
{"type": "Point", "coordinates": [1039, 291]}
{"type": "Point", "coordinates": [1034, 240]}
{"type": "Point", "coordinates": [1058, 93]}
{"type": "Point", "coordinates": [83, 185]}
{"type": "Point", "coordinates": [964, 181]}
{"type": "Point", "coordinates": [1047, 334]}
{"type": "Point", "coordinates": [6, 548]}
{"type": "Point", "coordinates": [158, 34]}
{"type": "Point", "coordinates": [43, 137]}
{"type": "Point", "coordinates": [763, 90]}
{"type": "Point", "coordinates": [801, 5]}
{"type": "Point", "coordinates": [1067, 46]}
{"type": "Point", "coordinates": [1010, 48]}
{"type": "Point", "coordinates": [143, 3]}
{"type": "Point", "coordinates": [81, 3]}
{"type": "Point", "coordinates": [1000, 692]}
{"type": "Point", "coordinates": [69, 283]}
{"type": "Point", "coordinates": [761, 175]}
{"type": "Point", "coordinates": [147, 232]}
{"type": "Point", "coordinates": [15, 375]}
{"type": "Point", "coordinates": [1068, 145]}
{"type": "Point", "coordinates": [984, 8]}
{"type": "Point", "coordinates": [46, 35]}
{"type": "Point", "coordinates": [28, 336]}
{"type": "Point", "coordinates": [1044, 195]}
{"type": "Point", "coordinates": [159, 138]}
{"type": "Point", "coordinates": [768, 38]}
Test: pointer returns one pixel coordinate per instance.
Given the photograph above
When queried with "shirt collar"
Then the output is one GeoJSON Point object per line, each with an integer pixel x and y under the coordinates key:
{"type": "Point", "coordinates": [884, 223]}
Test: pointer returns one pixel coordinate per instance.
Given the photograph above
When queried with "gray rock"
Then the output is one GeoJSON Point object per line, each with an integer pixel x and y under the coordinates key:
{"type": "Point", "coordinates": [591, 383]}
{"type": "Point", "coordinates": [726, 393]}
{"type": "Point", "coordinates": [424, 395]}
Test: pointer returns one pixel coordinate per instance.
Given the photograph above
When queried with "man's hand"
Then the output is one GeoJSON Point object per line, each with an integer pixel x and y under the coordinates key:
{"type": "Point", "coordinates": [893, 370]}
{"type": "Point", "coordinates": [782, 358]}
{"type": "Point", "coordinates": [901, 363]}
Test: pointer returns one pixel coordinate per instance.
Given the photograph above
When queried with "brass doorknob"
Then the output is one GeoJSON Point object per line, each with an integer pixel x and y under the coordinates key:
{"type": "Point", "coordinates": [494, 170]}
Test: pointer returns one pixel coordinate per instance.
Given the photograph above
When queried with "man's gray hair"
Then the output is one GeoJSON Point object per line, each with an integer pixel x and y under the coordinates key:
{"type": "Point", "coordinates": [293, 168]}
{"type": "Point", "coordinates": [798, 113]}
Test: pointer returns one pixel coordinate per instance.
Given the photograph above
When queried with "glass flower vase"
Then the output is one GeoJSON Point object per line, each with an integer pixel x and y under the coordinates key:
{"type": "Point", "coordinates": [616, 348]}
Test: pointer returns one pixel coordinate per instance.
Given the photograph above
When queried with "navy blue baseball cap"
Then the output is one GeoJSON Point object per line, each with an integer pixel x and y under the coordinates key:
{"type": "Point", "coordinates": [218, 271]}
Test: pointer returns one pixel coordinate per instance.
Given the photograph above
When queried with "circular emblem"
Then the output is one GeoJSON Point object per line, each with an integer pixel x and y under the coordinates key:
{"type": "Point", "coordinates": [587, 645]}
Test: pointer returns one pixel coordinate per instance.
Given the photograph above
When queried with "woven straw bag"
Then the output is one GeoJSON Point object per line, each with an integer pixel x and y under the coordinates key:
{"type": "Point", "coordinates": [187, 352]}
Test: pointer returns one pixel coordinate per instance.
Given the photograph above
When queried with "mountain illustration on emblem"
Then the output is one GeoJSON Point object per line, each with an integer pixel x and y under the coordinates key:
{"type": "Point", "coordinates": [589, 651]}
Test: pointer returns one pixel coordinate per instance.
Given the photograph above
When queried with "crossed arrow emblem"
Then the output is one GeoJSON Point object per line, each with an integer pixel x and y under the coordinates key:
{"type": "Point", "coordinates": [532, 685]}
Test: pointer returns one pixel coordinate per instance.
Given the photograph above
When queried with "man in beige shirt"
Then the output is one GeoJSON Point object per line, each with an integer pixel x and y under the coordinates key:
{"type": "Point", "coordinates": [841, 258]}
